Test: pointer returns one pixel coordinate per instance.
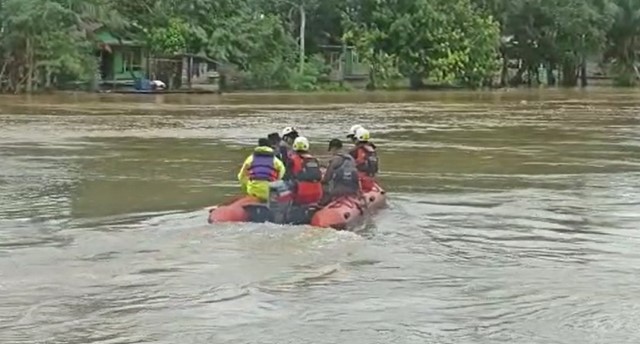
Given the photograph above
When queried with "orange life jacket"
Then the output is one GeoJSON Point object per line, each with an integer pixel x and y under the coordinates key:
{"type": "Point", "coordinates": [366, 159]}
{"type": "Point", "coordinates": [305, 171]}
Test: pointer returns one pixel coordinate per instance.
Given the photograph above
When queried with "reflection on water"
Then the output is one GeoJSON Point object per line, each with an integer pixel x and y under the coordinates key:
{"type": "Point", "coordinates": [514, 219]}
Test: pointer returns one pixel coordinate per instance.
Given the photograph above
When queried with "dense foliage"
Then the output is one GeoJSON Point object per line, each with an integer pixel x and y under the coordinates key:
{"type": "Point", "coordinates": [280, 43]}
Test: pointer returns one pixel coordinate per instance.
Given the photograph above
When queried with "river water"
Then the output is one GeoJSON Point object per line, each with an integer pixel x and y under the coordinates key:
{"type": "Point", "coordinates": [514, 218]}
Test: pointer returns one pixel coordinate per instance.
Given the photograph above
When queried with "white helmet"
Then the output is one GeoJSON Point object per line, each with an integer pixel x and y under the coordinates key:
{"type": "Point", "coordinates": [288, 131]}
{"type": "Point", "coordinates": [362, 134]}
{"type": "Point", "coordinates": [301, 144]}
{"type": "Point", "coordinates": [352, 131]}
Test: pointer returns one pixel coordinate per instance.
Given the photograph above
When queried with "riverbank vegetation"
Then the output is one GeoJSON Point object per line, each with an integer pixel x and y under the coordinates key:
{"type": "Point", "coordinates": [303, 44]}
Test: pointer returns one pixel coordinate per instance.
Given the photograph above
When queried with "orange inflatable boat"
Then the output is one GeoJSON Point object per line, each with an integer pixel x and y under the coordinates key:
{"type": "Point", "coordinates": [343, 213]}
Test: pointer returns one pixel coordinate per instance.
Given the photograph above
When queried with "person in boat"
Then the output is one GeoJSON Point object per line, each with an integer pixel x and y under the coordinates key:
{"type": "Point", "coordinates": [259, 169]}
{"type": "Point", "coordinates": [275, 140]}
{"type": "Point", "coordinates": [305, 174]}
{"type": "Point", "coordinates": [341, 177]}
{"type": "Point", "coordinates": [366, 159]}
{"type": "Point", "coordinates": [351, 135]}
{"type": "Point", "coordinates": [285, 150]}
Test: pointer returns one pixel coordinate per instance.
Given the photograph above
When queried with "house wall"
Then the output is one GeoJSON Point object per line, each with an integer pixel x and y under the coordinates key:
{"type": "Point", "coordinates": [348, 63]}
{"type": "Point", "coordinates": [199, 72]}
{"type": "Point", "coordinates": [353, 65]}
{"type": "Point", "coordinates": [120, 64]}
{"type": "Point", "coordinates": [353, 68]}
{"type": "Point", "coordinates": [124, 63]}
{"type": "Point", "coordinates": [117, 65]}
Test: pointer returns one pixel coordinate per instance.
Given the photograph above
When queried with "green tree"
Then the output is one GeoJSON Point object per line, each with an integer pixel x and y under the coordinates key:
{"type": "Point", "coordinates": [623, 41]}
{"type": "Point", "coordinates": [276, 43]}
{"type": "Point", "coordinates": [44, 40]}
{"type": "Point", "coordinates": [170, 39]}
{"type": "Point", "coordinates": [444, 40]}
{"type": "Point", "coordinates": [556, 34]}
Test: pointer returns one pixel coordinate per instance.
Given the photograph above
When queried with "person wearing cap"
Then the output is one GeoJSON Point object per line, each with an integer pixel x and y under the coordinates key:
{"type": "Point", "coordinates": [259, 169]}
{"type": "Point", "coordinates": [351, 135]}
{"type": "Point", "coordinates": [341, 177]}
{"type": "Point", "coordinates": [274, 139]}
{"type": "Point", "coordinates": [285, 150]}
{"type": "Point", "coordinates": [366, 159]}
{"type": "Point", "coordinates": [305, 174]}
{"type": "Point", "coordinates": [353, 131]}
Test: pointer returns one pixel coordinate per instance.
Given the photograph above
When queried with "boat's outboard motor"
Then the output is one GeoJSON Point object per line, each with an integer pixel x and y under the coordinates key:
{"type": "Point", "coordinates": [280, 199]}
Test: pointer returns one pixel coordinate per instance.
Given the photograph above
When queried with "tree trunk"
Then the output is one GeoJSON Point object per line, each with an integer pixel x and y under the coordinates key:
{"type": "Point", "coordinates": [20, 78]}
{"type": "Point", "coordinates": [47, 82]}
{"type": "Point", "coordinates": [35, 78]}
{"type": "Point", "coordinates": [2, 73]}
{"type": "Point", "coordinates": [11, 77]}
{"type": "Point", "coordinates": [415, 81]}
{"type": "Point", "coordinates": [371, 85]}
{"type": "Point", "coordinates": [189, 72]}
{"type": "Point", "coordinates": [551, 76]}
{"type": "Point", "coordinates": [504, 74]}
{"type": "Point", "coordinates": [303, 23]}
{"type": "Point", "coordinates": [583, 64]}
{"type": "Point", "coordinates": [517, 79]}
{"type": "Point", "coordinates": [29, 66]}
{"type": "Point", "coordinates": [569, 77]}
{"type": "Point", "coordinates": [583, 73]}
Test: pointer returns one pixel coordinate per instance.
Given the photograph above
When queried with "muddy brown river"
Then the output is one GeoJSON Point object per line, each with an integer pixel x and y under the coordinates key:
{"type": "Point", "coordinates": [514, 218]}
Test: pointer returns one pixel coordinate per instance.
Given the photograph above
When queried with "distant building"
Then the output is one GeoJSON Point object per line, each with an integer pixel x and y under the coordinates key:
{"type": "Point", "coordinates": [122, 59]}
{"type": "Point", "coordinates": [344, 63]}
{"type": "Point", "coordinates": [125, 61]}
{"type": "Point", "coordinates": [186, 71]}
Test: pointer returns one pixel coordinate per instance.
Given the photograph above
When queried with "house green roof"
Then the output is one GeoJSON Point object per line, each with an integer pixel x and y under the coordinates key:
{"type": "Point", "coordinates": [106, 37]}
